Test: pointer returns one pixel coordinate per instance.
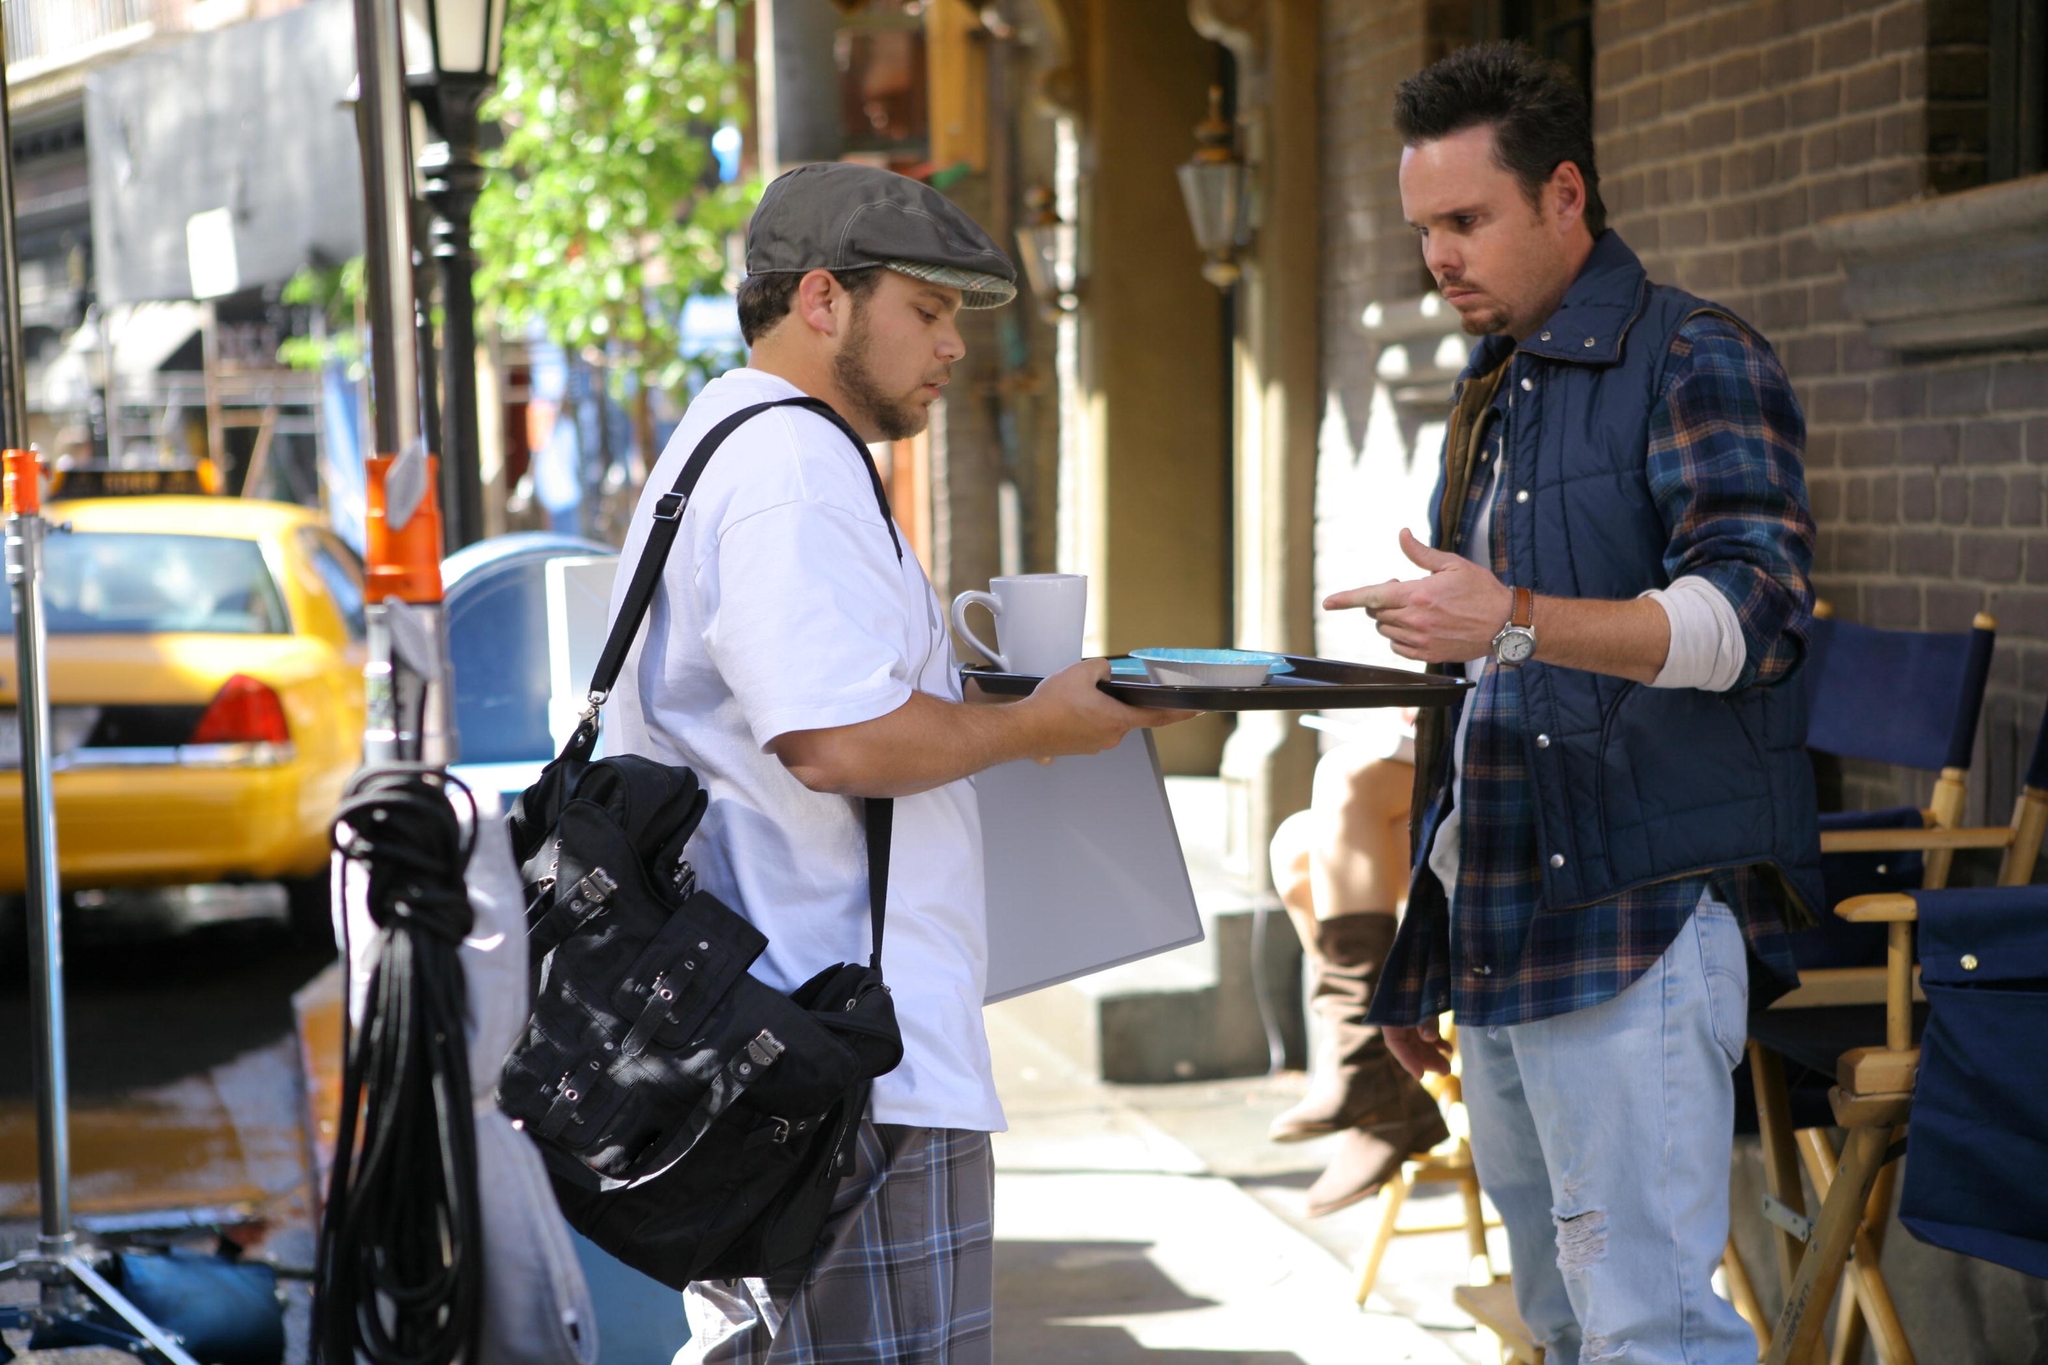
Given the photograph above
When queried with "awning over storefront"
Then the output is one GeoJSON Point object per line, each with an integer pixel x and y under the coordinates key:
{"type": "Point", "coordinates": [248, 119]}
{"type": "Point", "coordinates": [140, 338]}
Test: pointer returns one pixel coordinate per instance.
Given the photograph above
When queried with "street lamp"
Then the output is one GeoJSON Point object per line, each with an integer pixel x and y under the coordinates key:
{"type": "Point", "coordinates": [1047, 246]}
{"type": "Point", "coordinates": [1214, 185]}
{"type": "Point", "coordinates": [451, 63]}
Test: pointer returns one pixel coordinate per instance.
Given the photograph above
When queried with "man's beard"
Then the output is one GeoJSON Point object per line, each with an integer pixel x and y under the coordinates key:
{"type": "Point", "coordinates": [1485, 321]}
{"type": "Point", "coordinates": [1484, 324]}
{"type": "Point", "coordinates": [897, 418]}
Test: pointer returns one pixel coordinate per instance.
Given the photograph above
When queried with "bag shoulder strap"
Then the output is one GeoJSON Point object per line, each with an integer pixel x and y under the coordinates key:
{"type": "Point", "coordinates": [668, 517]}
{"type": "Point", "coordinates": [661, 538]}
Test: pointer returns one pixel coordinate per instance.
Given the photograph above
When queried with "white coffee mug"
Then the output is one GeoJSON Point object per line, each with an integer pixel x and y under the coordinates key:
{"type": "Point", "coordinates": [1038, 620]}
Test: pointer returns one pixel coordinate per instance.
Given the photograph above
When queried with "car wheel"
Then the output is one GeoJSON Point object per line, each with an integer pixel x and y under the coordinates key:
{"type": "Point", "coordinates": [312, 915]}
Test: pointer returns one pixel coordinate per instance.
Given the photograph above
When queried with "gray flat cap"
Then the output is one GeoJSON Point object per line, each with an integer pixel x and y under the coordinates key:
{"type": "Point", "coordinates": [839, 215]}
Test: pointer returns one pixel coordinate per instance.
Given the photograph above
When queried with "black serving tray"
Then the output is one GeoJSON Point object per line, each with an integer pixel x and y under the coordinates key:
{"type": "Point", "coordinates": [1314, 685]}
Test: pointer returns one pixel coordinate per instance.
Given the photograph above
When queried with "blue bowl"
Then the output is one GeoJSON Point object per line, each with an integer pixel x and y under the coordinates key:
{"type": "Point", "coordinates": [1209, 667]}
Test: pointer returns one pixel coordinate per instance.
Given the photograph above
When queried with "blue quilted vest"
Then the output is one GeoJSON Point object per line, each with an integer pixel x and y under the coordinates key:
{"type": "Point", "coordinates": [1634, 784]}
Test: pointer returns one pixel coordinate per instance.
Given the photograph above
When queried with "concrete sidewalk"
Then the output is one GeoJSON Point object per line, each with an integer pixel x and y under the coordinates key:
{"type": "Point", "coordinates": [1154, 1225]}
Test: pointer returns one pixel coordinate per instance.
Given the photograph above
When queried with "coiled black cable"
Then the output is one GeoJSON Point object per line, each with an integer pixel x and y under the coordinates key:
{"type": "Point", "coordinates": [400, 1274]}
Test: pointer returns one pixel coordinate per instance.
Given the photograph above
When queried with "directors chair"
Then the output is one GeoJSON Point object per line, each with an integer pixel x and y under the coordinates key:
{"type": "Point", "coordinates": [1911, 699]}
{"type": "Point", "coordinates": [1975, 1088]}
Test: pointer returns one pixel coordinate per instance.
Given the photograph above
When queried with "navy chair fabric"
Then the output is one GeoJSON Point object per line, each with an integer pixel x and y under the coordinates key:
{"type": "Point", "coordinates": [1808, 1043]}
{"type": "Point", "coordinates": [1891, 696]}
{"type": "Point", "coordinates": [1834, 942]}
{"type": "Point", "coordinates": [1906, 697]}
{"type": "Point", "coordinates": [1895, 696]}
{"type": "Point", "coordinates": [1979, 1128]}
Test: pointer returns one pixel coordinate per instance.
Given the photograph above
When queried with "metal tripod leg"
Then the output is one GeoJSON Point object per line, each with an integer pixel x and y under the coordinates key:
{"type": "Point", "coordinates": [100, 1288]}
{"type": "Point", "coordinates": [57, 1262]}
{"type": "Point", "coordinates": [63, 1279]}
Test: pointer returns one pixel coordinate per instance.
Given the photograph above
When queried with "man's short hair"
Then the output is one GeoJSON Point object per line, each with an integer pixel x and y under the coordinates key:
{"type": "Point", "coordinates": [1538, 112]}
{"type": "Point", "coordinates": [764, 299]}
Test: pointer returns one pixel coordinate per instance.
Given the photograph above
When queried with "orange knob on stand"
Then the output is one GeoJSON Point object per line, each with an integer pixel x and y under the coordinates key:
{"type": "Point", "coordinates": [404, 563]}
{"type": "Point", "coordinates": [23, 482]}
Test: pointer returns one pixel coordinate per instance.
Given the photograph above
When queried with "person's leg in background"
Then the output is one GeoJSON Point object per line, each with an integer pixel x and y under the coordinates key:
{"type": "Point", "coordinates": [1616, 1235]}
{"type": "Point", "coordinates": [1342, 870]}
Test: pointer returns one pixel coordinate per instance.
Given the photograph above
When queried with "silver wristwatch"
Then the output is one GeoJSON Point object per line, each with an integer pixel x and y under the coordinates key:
{"type": "Point", "coordinates": [1516, 643]}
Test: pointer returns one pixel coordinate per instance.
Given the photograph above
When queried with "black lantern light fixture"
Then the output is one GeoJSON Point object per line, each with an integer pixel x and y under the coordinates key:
{"type": "Point", "coordinates": [451, 64]}
{"type": "Point", "coordinates": [1214, 184]}
{"type": "Point", "coordinates": [457, 39]}
{"type": "Point", "coordinates": [1047, 245]}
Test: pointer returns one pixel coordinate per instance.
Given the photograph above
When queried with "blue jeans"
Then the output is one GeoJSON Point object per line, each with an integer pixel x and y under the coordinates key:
{"type": "Point", "coordinates": [1603, 1138]}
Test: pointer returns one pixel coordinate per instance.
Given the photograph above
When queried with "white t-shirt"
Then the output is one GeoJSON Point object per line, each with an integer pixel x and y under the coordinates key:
{"type": "Point", "coordinates": [784, 607]}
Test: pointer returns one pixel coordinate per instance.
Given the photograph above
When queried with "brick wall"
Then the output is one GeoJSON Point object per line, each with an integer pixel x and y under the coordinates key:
{"type": "Point", "coordinates": [1726, 132]}
{"type": "Point", "coordinates": [1369, 252]}
{"type": "Point", "coordinates": [1376, 461]}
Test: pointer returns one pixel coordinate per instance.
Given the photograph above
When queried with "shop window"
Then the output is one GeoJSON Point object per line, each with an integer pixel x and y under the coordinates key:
{"type": "Point", "coordinates": [1559, 29]}
{"type": "Point", "coordinates": [880, 52]}
{"type": "Point", "coordinates": [1987, 92]}
{"type": "Point", "coordinates": [2016, 141]}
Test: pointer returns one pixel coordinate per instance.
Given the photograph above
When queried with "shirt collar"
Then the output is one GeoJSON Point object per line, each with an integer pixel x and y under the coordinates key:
{"type": "Point", "coordinates": [1589, 327]}
{"type": "Point", "coordinates": [1608, 296]}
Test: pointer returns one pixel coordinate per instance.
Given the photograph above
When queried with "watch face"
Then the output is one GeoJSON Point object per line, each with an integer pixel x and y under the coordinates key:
{"type": "Point", "coordinates": [1516, 645]}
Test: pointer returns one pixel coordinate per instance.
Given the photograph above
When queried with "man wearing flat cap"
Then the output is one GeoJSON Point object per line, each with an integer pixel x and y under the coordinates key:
{"type": "Point", "coordinates": [796, 658]}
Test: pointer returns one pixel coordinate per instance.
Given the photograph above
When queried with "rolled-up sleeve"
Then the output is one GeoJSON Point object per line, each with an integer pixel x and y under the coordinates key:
{"type": "Point", "coordinates": [1727, 467]}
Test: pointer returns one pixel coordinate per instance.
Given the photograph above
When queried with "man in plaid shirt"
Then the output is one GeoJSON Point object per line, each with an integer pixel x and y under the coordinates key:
{"type": "Point", "coordinates": [1615, 824]}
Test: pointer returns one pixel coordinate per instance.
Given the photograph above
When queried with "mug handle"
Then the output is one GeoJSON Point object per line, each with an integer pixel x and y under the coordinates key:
{"type": "Point", "coordinates": [995, 609]}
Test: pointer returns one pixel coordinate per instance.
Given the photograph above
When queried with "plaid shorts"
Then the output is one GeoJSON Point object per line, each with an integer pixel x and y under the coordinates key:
{"type": "Point", "coordinates": [905, 1273]}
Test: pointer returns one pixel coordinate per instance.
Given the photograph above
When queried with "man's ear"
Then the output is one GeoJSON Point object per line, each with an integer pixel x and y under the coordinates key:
{"type": "Point", "coordinates": [1567, 194]}
{"type": "Point", "coordinates": [817, 295]}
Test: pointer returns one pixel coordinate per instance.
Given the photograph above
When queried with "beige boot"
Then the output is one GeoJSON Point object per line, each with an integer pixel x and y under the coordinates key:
{"type": "Point", "coordinates": [1368, 1157]}
{"type": "Point", "coordinates": [1358, 1083]}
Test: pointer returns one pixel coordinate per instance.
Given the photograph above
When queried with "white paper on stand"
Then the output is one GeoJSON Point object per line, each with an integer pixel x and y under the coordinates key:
{"type": "Point", "coordinates": [1083, 867]}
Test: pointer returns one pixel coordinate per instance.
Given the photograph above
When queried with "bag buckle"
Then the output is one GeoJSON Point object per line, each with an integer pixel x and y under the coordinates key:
{"type": "Point", "coordinates": [592, 704]}
{"type": "Point", "coordinates": [668, 507]}
{"type": "Point", "coordinates": [765, 1049]}
{"type": "Point", "coordinates": [589, 895]}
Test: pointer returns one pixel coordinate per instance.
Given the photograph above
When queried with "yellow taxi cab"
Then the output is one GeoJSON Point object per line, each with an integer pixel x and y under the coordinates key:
{"type": "Point", "coordinates": [206, 692]}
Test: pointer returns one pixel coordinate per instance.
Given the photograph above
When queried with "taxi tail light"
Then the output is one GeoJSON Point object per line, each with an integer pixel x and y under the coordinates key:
{"type": "Point", "coordinates": [244, 711]}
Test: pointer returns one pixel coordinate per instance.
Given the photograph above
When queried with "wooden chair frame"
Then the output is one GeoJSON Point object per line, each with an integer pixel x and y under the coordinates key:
{"type": "Point", "coordinates": [1783, 1146]}
{"type": "Point", "coordinates": [1872, 1097]}
{"type": "Point", "coordinates": [1492, 1309]}
{"type": "Point", "coordinates": [1449, 1163]}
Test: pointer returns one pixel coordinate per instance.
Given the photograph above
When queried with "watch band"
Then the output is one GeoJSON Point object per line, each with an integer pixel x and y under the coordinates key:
{"type": "Point", "coordinates": [1523, 613]}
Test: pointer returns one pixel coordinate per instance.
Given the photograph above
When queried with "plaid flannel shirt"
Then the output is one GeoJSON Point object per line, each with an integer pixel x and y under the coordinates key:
{"type": "Point", "coordinates": [1724, 465]}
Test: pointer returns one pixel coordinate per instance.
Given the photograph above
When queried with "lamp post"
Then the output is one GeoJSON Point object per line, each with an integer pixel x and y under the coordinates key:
{"type": "Point", "coordinates": [1047, 246]}
{"type": "Point", "coordinates": [1214, 183]}
{"type": "Point", "coordinates": [451, 51]}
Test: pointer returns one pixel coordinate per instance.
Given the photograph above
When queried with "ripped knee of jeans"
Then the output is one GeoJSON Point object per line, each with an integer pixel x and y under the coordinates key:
{"type": "Point", "coordinates": [1600, 1348]}
{"type": "Point", "coordinates": [1581, 1240]}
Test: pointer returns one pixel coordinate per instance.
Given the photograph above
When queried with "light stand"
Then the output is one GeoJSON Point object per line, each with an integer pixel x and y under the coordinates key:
{"type": "Point", "coordinates": [72, 1286]}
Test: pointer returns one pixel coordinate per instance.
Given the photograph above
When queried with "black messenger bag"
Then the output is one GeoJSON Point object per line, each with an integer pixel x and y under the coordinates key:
{"type": "Point", "coordinates": [694, 1120]}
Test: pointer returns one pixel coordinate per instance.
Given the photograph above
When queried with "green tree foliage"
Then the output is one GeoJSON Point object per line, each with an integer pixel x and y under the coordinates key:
{"type": "Point", "coordinates": [603, 211]}
{"type": "Point", "coordinates": [334, 293]}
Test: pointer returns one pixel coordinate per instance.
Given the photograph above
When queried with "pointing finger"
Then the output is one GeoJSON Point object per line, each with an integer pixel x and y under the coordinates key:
{"type": "Point", "coordinates": [1377, 597]}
